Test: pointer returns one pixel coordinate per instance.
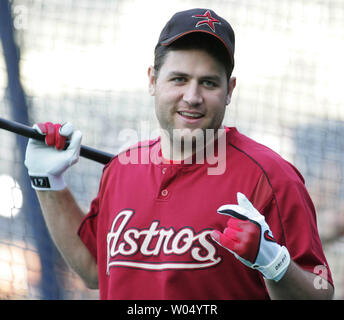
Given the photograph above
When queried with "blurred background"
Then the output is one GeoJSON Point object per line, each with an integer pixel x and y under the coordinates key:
{"type": "Point", "coordinates": [86, 62]}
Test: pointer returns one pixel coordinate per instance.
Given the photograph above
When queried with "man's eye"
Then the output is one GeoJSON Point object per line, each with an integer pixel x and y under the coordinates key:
{"type": "Point", "coordinates": [178, 80]}
{"type": "Point", "coordinates": [209, 84]}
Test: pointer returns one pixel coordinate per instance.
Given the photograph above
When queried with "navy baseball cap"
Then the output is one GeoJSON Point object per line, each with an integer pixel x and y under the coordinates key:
{"type": "Point", "coordinates": [198, 20]}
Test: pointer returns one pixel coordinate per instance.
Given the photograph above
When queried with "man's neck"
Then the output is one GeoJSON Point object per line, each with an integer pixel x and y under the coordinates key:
{"type": "Point", "coordinates": [179, 148]}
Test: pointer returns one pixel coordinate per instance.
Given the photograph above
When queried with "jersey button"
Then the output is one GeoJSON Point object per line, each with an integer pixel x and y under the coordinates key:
{"type": "Point", "coordinates": [164, 193]}
{"type": "Point", "coordinates": [164, 170]}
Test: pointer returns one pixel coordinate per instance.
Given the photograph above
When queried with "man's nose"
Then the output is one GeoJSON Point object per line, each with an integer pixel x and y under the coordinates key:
{"type": "Point", "coordinates": [192, 94]}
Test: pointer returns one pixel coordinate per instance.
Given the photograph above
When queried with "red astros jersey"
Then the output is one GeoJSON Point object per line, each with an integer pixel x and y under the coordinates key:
{"type": "Point", "coordinates": [149, 227]}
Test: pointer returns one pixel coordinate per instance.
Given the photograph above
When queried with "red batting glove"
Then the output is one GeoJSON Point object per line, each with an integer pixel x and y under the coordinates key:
{"type": "Point", "coordinates": [52, 134]}
{"type": "Point", "coordinates": [242, 237]}
{"type": "Point", "coordinates": [250, 239]}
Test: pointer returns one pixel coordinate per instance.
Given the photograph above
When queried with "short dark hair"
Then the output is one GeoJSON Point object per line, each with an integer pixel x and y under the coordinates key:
{"type": "Point", "coordinates": [201, 41]}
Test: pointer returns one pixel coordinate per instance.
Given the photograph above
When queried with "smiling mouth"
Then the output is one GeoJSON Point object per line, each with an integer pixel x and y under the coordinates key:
{"type": "Point", "coordinates": [190, 115]}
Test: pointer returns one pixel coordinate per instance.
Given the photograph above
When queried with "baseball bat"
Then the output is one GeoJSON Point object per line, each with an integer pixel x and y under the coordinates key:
{"type": "Point", "coordinates": [26, 131]}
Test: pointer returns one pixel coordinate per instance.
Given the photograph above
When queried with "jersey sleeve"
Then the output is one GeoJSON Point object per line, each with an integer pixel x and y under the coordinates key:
{"type": "Point", "coordinates": [291, 215]}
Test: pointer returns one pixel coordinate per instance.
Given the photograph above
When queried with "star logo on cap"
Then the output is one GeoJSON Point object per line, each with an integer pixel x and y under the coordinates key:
{"type": "Point", "coordinates": [208, 20]}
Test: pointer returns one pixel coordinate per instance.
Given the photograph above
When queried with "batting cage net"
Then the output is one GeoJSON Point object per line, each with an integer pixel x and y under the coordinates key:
{"type": "Point", "coordinates": [86, 62]}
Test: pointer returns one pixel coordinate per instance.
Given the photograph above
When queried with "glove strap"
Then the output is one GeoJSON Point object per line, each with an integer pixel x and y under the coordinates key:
{"type": "Point", "coordinates": [277, 268]}
{"type": "Point", "coordinates": [47, 182]}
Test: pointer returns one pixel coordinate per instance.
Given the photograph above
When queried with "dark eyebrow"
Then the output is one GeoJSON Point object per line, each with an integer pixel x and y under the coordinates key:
{"type": "Point", "coordinates": [212, 78]}
{"type": "Point", "coordinates": [215, 78]}
{"type": "Point", "coordinates": [177, 74]}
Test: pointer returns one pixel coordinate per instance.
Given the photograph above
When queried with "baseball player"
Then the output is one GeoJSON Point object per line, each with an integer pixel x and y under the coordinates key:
{"type": "Point", "coordinates": [166, 227]}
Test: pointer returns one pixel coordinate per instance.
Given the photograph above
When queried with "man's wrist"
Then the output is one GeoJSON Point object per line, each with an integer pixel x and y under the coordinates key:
{"type": "Point", "coordinates": [278, 267]}
{"type": "Point", "coordinates": [47, 182]}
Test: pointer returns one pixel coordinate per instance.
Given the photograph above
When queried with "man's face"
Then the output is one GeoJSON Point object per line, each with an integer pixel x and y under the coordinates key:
{"type": "Point", "coordinates": [191, 91]}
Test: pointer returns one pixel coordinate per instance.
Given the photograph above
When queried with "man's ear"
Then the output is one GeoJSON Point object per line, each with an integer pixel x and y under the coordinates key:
{"type": "Point", "coordinates": [231, 86]}
{"type": "Point", "coordinates": [151, 79]}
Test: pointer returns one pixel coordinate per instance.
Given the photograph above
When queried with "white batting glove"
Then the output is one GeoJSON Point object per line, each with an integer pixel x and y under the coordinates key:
{"type": "Point", "coordinates": [250, 239]}
{"type": "Point", "coordinates": [46, 162]}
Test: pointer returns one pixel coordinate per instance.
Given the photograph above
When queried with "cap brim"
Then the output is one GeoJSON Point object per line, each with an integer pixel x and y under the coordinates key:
{"type": "Point", "coordinates": [178, 36]}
